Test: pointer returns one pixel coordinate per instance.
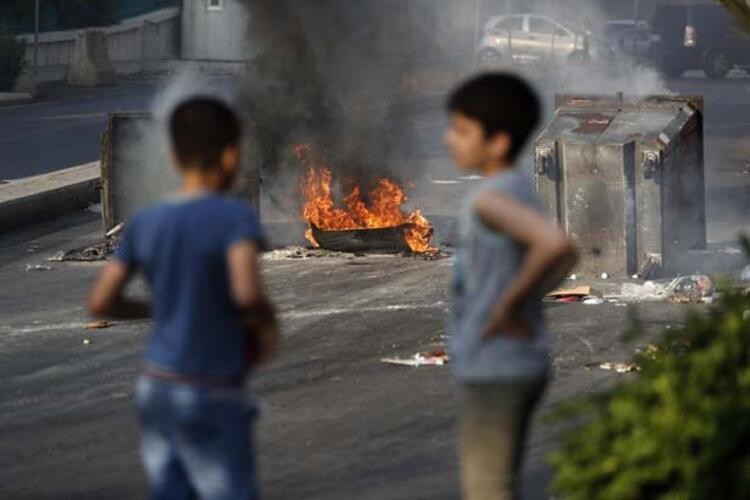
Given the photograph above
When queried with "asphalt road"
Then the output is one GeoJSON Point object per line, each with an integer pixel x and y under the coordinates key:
{"type": "Point", "coordinates": [337, 423]}
{"type": "Point", "coordinates": [63, 127]}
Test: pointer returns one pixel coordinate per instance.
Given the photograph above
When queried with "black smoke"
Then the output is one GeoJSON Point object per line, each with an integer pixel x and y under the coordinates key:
{"type": "Point", "coordinates": [335, 73]}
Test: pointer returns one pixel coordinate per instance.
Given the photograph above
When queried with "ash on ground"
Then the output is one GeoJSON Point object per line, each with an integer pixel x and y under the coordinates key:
{"type": "Point", "coordinates": [296, 253]}
{"type": "Point", "coordinates": [94, 253]}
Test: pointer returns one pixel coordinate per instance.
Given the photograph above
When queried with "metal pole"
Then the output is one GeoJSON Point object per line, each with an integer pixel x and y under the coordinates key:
{"type": "Point", "coordinates": [36, 38]}
{"type": "Point", "coordinates": [477, 23]}
{"type": "Point", "coordinates": [637, 12]}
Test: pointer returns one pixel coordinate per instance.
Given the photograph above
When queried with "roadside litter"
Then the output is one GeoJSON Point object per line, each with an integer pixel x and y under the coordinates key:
{"type": "Point", "coordinates": [37, 267]}
{"type": "Point", "coordinates": [576, 294]}
{"type": "Point", "coordinates": [690, 289]}
{"type": "Point", "coordinates": [97, 325]}
{"type": "Point", "coordinates": [93, 253]}
{"type": "Point", "coordinates": [620, 367]}
{"type": "Point", "coordinates": [434, 358]}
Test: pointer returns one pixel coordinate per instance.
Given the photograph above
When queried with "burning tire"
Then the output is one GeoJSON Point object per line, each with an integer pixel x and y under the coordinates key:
{"type": "Point", "coordinates": [717, 63]}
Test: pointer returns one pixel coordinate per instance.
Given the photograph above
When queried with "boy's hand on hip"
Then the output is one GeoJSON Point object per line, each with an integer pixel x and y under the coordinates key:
{"type": "Point", "coordinates": [510, 322]}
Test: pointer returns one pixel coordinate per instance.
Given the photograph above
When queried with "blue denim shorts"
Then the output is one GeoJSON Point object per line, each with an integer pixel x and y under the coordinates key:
{"type": "Point", "coordinates": [197, 441]}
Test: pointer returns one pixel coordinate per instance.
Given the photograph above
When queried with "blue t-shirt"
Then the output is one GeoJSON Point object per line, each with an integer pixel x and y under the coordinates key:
{"type": "Point", "coordinates": [181, 247]}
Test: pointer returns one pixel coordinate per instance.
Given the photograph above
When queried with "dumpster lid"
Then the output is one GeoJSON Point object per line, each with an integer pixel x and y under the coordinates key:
{"type": "Point", "coordinates": [608, 120]}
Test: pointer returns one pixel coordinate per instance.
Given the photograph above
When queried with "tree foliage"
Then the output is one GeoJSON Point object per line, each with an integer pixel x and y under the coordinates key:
{"type": "Point", "coordinates": [68, 14]}
{"type": "Point", "coordinates": [740, 8]}
{"type": "Point", "coordinates": [680, 430]}
{"type": "Point", "coordinates": [12, 60]}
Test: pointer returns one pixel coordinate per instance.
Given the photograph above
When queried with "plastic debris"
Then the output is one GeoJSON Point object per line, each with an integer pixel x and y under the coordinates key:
{"type": "Point", "coordinates": [115, 231]}
{"type": "Point", "coordinates": [86, 342]}
{"type": "Point", "coordinates": [58, 257]}
{"type": "Point", "coordinates": [605, 276]}
{"type": "Point", "coordinates": [37, 267]}
{"type": "Point", "coordinates": [690, 289]}
{"type": "Point", "coordinates": [573, 277]}
{"type": "Point", "coordinates": [648, 291]}
{"type": "Point", "coordinates": [593, 301]}
{"type": "Point", "coordinates": [97, 325]}
{"type": "Point", "coordinates": [434, 358]}
{"type": "Point", "coordinates": [620, 367]}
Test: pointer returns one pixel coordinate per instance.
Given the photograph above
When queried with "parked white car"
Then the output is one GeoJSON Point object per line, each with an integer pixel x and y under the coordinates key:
{"type": "Point", "coordinates": [525, 38]}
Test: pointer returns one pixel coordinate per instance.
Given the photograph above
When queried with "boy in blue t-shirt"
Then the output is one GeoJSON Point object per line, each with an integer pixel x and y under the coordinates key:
{"type": "Point", "coordinates": [199, 254]}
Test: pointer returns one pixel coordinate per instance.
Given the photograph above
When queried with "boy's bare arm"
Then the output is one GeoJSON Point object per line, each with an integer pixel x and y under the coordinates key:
{"type": "Point", "coordinates": [549, 258]}
{"type": "Point", "coordinates": [248, 294]}
{"type": "Point", "coordinates": [106, 299]}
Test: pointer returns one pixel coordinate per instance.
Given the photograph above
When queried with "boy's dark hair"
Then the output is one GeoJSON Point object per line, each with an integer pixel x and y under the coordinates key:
{"type": "Point", "coordinates": [500, 102]}
{"type": "Point", "coordinates": [201, 129]}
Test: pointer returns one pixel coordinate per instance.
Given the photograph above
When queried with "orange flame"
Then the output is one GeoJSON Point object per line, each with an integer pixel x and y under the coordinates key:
{"type": "Point", "coordinates": [383, 208]}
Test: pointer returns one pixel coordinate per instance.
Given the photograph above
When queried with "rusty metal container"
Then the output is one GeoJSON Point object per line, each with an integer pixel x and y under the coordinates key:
{"type": "Point", "coordinates": [625, 179]}
{"type": "Point", "coordinates": [137, 170]}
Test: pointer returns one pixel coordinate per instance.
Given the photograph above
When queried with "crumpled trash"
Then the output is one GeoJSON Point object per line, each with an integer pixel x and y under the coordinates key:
{"type": "Point", "coordinates": [648, 291]}
{"type": "Point", "coordinates": [690, 289]}
{"type": "Point", "coordinates": [37, 267]}
{"type": "Point", "coordinates": [434, 358]}
{"type": "Point", "coordinates": [620, 367]}
{"type": "Point", "coordinates": [97, 325]}
{"type": "Point", "coordinates": [593, 301]}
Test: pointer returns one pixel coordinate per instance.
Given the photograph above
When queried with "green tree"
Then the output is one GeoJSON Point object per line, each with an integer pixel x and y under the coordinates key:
{"type": "Point", "coordinates": [680, 429]}
{"type": "Point", "coordinates": [740, 8]}
{"type": "Point", "coordinates": [12, 60]}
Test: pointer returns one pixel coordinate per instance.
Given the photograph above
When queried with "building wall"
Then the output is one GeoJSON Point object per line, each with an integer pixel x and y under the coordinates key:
{"type": "Point", "coordinates": [214, 34]}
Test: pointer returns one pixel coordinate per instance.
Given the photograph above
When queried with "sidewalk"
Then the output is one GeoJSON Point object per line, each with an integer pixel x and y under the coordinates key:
{"type": "Point", "coordinates": [13, 98]}
{"type": "Point", "coordinates": [34, 199]}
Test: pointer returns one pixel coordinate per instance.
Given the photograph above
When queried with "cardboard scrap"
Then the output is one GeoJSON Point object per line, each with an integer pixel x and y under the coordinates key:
{"type": "Point", "coordinates": [97, 325]}
{"type": "Point", "coordinates": [575, 294]}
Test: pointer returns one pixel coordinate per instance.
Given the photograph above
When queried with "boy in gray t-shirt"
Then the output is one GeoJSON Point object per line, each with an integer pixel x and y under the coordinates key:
{"type": "Point", "coordinates": [510, 256]}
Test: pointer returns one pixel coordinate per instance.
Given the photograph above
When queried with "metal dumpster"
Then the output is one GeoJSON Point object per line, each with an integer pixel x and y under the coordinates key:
{"type": "Point", "coordinates": [624, 177]}
{"type": "Point", "coordinates": [137, 171]}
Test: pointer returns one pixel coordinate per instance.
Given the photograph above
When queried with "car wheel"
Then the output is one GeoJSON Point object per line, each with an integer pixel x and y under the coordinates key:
{"type": "Point", "coordinates": [717, 64]}
{"type": "Point", "coordinates": [489, 58]}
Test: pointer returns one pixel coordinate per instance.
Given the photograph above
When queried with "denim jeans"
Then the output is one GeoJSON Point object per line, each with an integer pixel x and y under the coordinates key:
{"type": "Point", "coordinates": [493, 423]}
{"type": "Point", "coordinates": [196, 441]}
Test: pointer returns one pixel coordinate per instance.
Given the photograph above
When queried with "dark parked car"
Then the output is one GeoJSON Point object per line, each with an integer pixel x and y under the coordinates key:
{"type": "Point", "coordinates": [699, 36]}
{"type": "Point", "coordinates": [627, 38]}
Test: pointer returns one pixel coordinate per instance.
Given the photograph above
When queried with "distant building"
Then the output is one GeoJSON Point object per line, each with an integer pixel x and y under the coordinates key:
{"type": "Point", "coordinates": [214, 30]}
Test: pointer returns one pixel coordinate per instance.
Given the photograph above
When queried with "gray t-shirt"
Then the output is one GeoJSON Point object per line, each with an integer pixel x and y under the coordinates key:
{"type": "Point", "coordinates": [486, 264]}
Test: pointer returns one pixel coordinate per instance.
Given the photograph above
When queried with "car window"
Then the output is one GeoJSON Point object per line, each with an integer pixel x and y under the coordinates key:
{"type": "Point", "coordinates": [542, 26]}
{"type": "Point", "coordinates": [514, 23]}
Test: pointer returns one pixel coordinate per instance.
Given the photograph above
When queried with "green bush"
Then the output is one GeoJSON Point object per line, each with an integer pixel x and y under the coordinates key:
{"type": "Point", "coordinates": [12, 60]}
{"type": "Point", "coordinates": [680, 429]}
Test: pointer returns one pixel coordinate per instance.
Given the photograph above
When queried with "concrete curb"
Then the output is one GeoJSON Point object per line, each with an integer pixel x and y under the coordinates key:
{"type": "Point", "coordinates": [13, 98]}
{"type": "Point", "coordinates": [35, 199]}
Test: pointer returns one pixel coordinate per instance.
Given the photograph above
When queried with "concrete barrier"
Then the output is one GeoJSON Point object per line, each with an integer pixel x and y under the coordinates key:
{"type": "Point", "coordinates": [91, 66]}
{"type": "Point", "coordinates": [42, 197]}
{"type": "Point", "coordinates": [125, 44]}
